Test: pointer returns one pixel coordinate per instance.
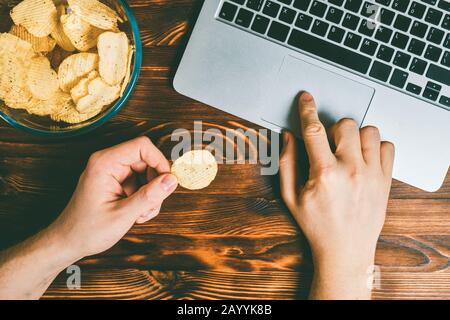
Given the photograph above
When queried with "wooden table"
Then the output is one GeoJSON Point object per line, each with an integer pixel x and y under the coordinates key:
{"type": "Point", "coordinates": [232, 240]}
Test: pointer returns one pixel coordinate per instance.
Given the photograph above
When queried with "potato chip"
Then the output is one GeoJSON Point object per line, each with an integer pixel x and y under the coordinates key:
{"type": "Point", "coordinates": [128, 72]}
{"type": "Point", "coordinates": [49, 106]}
{"type": "Point", "coordinates": [95, 13]}
{"type": "Point", "coordinates": [82, 35]}
{"type": "Point", "coordinates": [100, 94]}
{"type": "Point", "coordinates": [69, 114]}
{"type": "Point", "coordinates": [39, 17]}
{"type": "Point", "coordinates": [42, 80]}
{"type": "Point", "coordinates": [13, 45]}
{"type": "Point", "coordinates": [58, 32]}
{"type": "Point", "coordinates": [113, 52]}
{"type": "Point", "coordinates": [39, 44]}
{"type": "Point", "coordinates": [195, 170]}
{"type": "Point", "coordinates": [13, 89]}
{"type": "Point", "coordinates": [81, 89]}
{"type": "Point", "coordinates": [74, 68]}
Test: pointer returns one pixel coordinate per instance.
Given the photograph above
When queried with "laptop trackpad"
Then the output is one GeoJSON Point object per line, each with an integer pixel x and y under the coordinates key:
{"type": "Point", "coordinates": [337, 97]}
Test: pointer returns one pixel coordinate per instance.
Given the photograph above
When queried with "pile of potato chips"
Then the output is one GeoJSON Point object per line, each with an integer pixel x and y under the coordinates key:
{"type": "Point", "coordinates": [66, 60]}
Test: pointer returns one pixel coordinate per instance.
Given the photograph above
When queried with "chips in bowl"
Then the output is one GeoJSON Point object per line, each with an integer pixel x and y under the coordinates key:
{"type": "Point", "coordinates": [66, 59]}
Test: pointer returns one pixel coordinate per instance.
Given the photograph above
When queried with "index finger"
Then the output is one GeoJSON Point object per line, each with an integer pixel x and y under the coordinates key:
{"type": "Point", "coordinates": [314, 133]}
{"type": "Point", "coordinates": [119, 161]}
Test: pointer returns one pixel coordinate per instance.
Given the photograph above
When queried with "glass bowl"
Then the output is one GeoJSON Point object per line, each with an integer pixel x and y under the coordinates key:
{"type": "Point", "coordinates": [44, 126]}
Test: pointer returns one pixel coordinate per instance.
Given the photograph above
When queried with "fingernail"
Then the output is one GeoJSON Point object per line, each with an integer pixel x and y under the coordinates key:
{"type": "Point", "coordinates": [168, 182]}
{"type": "Point", "coordinates": [306, 96]}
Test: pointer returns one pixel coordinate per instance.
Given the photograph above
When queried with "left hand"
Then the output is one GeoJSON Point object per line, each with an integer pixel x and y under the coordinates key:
{"type": "Point", "coordinates": [108, 200]}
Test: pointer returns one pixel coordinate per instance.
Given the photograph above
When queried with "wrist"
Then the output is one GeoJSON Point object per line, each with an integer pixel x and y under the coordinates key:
{"type": "Point", "coordinates": [65, 254]}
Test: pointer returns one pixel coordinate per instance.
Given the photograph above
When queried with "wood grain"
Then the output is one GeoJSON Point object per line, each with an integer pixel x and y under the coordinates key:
{"type": "Point", "coordinates": [233, 240]}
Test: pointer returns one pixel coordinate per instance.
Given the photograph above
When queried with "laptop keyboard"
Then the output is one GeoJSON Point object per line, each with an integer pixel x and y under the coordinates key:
{"type": "Point", "coordinates": [403, 44]}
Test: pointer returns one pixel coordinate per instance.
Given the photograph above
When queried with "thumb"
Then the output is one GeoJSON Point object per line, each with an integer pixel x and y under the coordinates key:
{"type": "Point", "coordinates": [150, 195]}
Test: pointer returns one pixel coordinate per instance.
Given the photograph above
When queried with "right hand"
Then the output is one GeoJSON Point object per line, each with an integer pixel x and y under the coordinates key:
{"type": "Point", "coordinates": [341, 208]}
{"type": "Point", "coordinates": [108, 200]}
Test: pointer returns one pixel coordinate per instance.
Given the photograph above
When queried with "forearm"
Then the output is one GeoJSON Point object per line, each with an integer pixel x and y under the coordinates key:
{"type": "Point", "coordinates": [341, 280]}
{"type": "Point", "coordinates": [27, 269]}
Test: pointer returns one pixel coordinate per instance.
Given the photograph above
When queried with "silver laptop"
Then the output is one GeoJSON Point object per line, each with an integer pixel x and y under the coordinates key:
{"type": "Point", "coordinates": [381, 62]}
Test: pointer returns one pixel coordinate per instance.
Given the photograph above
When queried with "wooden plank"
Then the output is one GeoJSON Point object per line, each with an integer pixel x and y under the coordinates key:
{"type": "Point", "coordinates": [138, 284]}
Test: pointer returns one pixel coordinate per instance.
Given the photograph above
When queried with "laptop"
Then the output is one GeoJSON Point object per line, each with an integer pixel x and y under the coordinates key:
{"type": "Point", "coordinates": [381, 62]}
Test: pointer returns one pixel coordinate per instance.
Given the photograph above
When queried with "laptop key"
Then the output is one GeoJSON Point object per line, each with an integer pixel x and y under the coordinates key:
{"type": "Point", "coordinates": [288, 2]}
{"type": "Point", "coordinates": [402, 59]}
{"type": "Point", "coordinates": [334, 15]}
{"type": "Point", "coordinates": [399, 78]}
{"type": "Point", "coordinates": [271, 9]}
{"type": "Point", "coordinates": [278, 31]}
{"type": "Point", "coordinates": [400, 5]}
{"type": "Point", "coordinates": [353, 5]}
{"type": "Point", "coordinates": [400, 40]}
{"type": "Point", "coordinates": [416, 46]}
{"type": "Point", "coordinates": [430, 94]}
{"type": "Point", "coordinates": [413, 88]}
{"type": "Point", "coordinates": [241, 2]}
{"type": "Point", "coordinates": [383, 34]}
{"type": "Point", "coordinates": [385, 53]}
{"type": "Point", "coordinates": [369, 10]}
{"type": "Point", "coordinates": [417, 10]}
{"type": "Point", "coordinates": [446, 59]}
{"type": "Point", "coordinates": [418, 66]}
{"type": "Point", "coordinates": [432, 2]}
{"type": "Point", "coordinates": [434, 86]}
{"type": "Point", "coordinates": [439, 74]}
{"type": "Point", "coordinates": [447, 41]}
{"type": "Point", "coordinates": [260, 24]}
{"type": "Point", "coordinates": [255, 4]}
{"type": "Point", "coordinates": [320, 28]}
{"type": "Point", "coordinates": [419, 29]}
{"type": "Point", "coordinates": [402, 22]}
{"type": "Point", "coordinates": [336, 34]}
{"type": "Point", "coordinates": [433, 16]}
{"type": "Point", "coordinates": [445, 101]}
{"type": "Point", "coordinates": [336, 2]}
{"type": "Point", "coordinates": [329, 51]}
{"type": "Point", "coordinates": [302, 4]}
{"type": "Point", "coordinates": [385, 2]}
{"type": "Point", "coordinates": [380, 71]}
{"type": "Point", "coordinates": [352, 40]}
{"type": "Point", "coordinates": [386, 16]}
{"type": "Point", "coordinates": [350, 21]}
{"type": "Point", "coordinates": [435, 35]}
{"type": "Point", "coordinates": [303, 21]}
{"type": "Point", "coordinates": [367, 28]}
{"type": "Point", "coordinates": [444, 5]}
{"type": "Point", "coordinates": [318, 9]}
{"type": "Point", "coordinates": [244, 18]}
{"type": "Point", "coordinates": [369, 47]}
{"type": "Point", "coordinates": [433, 53]}
{"type": "Point", "coordinates": [228, 11]}
{"type": "Point", "coordinates": [446, 22]}
{"type": "Point", "coordinates": [287, 15]}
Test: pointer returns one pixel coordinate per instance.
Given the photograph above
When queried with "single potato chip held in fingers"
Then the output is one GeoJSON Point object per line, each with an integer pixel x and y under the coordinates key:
{"type": "Point", "coordinates": [195, 170]}
{"type": "Point", "coordinates": [113, 54]}
{"type": "Point", "coordinates": [42, 80]}
{"type": "Point", "coordinates": [58, 32]}
{"type": "Point", "coordinates": [100, 94]}
{"type": "Point", "coordinates": [74, 68]}
{"type": "Point", "coordinates": [39, 44]}
{"type": "Point", "coordinates": [39, 17]}
{"type": "Point", "coordinates": [82, 35]}
{"type": "Point", "coordinates": [95, 13]}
